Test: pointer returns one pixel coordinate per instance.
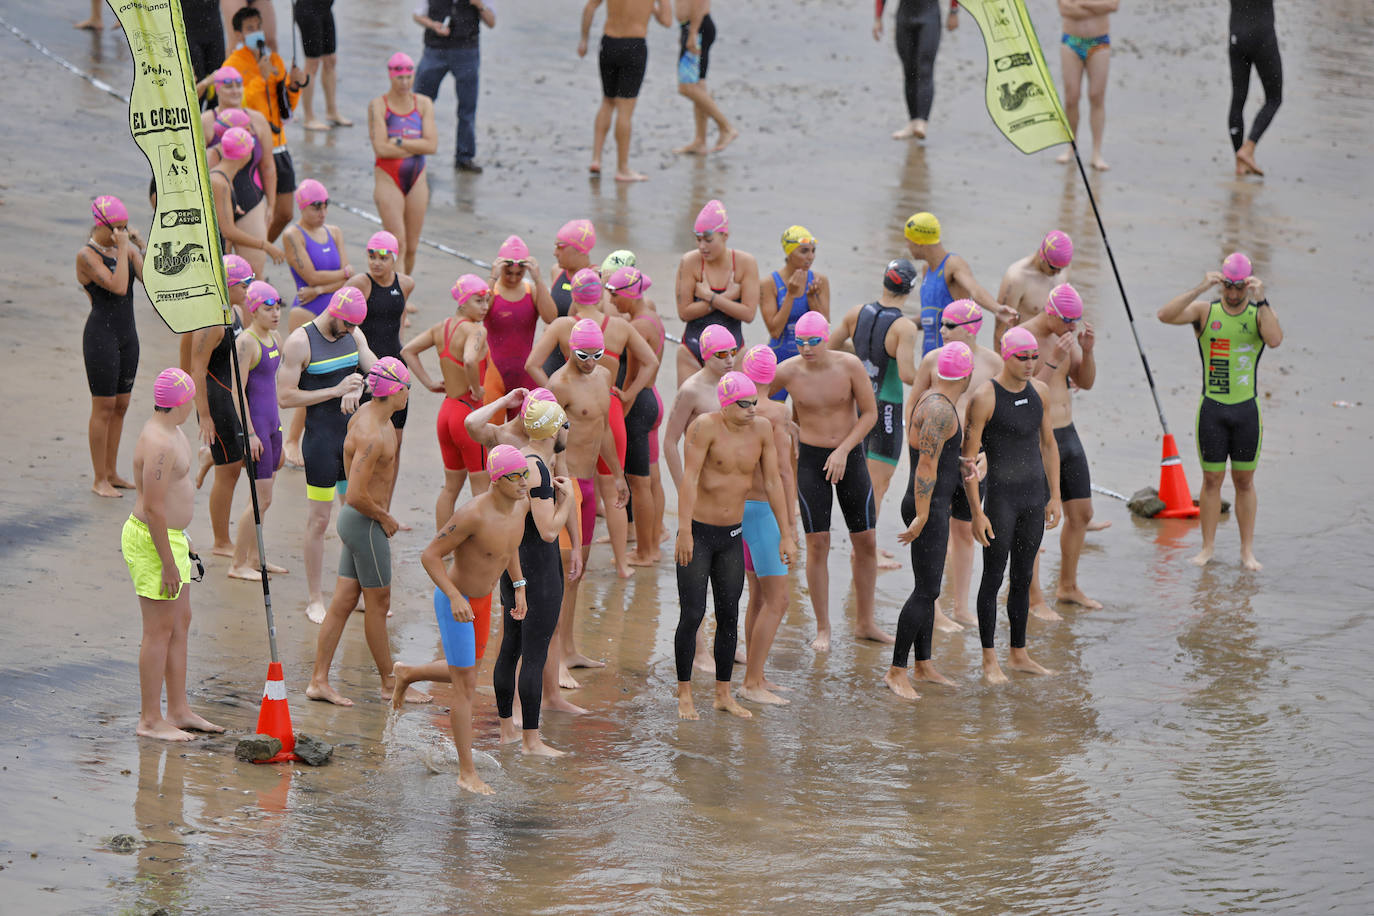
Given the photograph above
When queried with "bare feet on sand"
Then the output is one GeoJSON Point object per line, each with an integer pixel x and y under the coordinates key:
{"type": "Point", "coordinates": [121, 484]}
{"type": "Point", "coordinates": [566, 680]}
{"type": "Point", "coordinates": [727, 703]}
{"type": "Point", "coordinates": [944, 624]}
{"type": "Point", "coordinates": [400, 692]}
{"type": "Point", "coordinates": [897, 681]}
{"type": "Point", "coordinates": [338, 120]}
{"type": "Point", "coordinates": [594, 168]}
{"type": "Point", "coordinates": [225, 550]}
{"type": "Point", "coordinates": [316, 124]}
{"type": "Point", "coordinates": [1020, 660]}
{"type": "Point", "coordinates": [1245, 160]}
{"type": "Point", "coordinates": [686, 709]}
{"type": "Point", "coordinates": [822, 641]}
{"type": "Point", "coordinates": [1076, 596]}
{"type": "Point", "coordinates": [582, 661]}
{"type": "Point", "coordinates": [925, 671]}
{"type": "Point", "coordinates": [163, 730]}
{"type": "Point", "coordinates": [1247, 559]}
{"type": "Point", "coordinates": [635, 558]}
{"type": "Point", "coordinates": [761, 695]}
{"type": "Point", "coordinates": [327, 694]}
{"type": "Point", "coordinates": [254, 574]}
{"type": "Point", "coordinates": [1099, 525]}
{"type": "Point", "coordinates": [725, 140]}
{"type": "Point", "coordinates": [887, 560]}
{"type": "Point", "coordinates": [631, 175]}
{"type": "Point", "coordinates": [1203, 557]}
{"type": "Point", "coordinates": [1066, 156]}
{"type": "Point", "coordinates": [993, 673]}
{"type": "Point", "coordinates": [692, 149]}
{"type": "Point", "coordinates": [916, 129]}
{"type": "Point", "coordinates": [106, 489]}
{"type": "Point", "coordinates": [207, 461]}
{"type": "Point", "coordinates": [534, 746]}
{"type": "Point", "coordinates": [316, 610]}
{"type": "Point", "coordinates": [1100, 164]}
{"type": "Point", "coordinates": [874, 634]}
{"type": "Point", "coordinates": [473, 783]}
{"type": "Point", "coordinates": [965, 616]}
{"type": "Point", "coordinates": [559, 704]}
{"type": "Point", "coordinates": [1043, 611]}
{"type": "Point", "coordinates": [194, 723]}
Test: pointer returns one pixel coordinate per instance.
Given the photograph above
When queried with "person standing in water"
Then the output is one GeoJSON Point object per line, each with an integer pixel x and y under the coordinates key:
{"type": "Point", "coordinates": [1087, 49]}
{"type": "Point", "coordinates": [1232, 332]}
{"type": "Point", "coordinates": [106, 267]}
{"type": "Point", "coordinates": [790, 293]}
{"type": "Point", "coordinates": [918, 40]}
{"type": "Point", "coordinates": [1254, 45]}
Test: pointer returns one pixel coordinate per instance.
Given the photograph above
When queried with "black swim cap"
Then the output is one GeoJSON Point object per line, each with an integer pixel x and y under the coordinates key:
{"type": "Point", "coordinates": [900, 275]}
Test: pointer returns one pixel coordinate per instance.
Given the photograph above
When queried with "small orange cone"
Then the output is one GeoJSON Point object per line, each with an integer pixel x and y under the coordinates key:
{"type": "Point", "coordinates": [1173, 484]}
{"type": "Point", "coordinates": [275, 717]}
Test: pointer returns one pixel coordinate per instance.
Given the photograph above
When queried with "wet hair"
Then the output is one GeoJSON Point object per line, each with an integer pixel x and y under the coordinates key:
{"type": "Point", "coordinates": [244, 14]}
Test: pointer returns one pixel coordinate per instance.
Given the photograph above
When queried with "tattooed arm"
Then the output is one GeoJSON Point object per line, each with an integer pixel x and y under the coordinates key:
{"type": "Point", "coordinates": [935, 423]}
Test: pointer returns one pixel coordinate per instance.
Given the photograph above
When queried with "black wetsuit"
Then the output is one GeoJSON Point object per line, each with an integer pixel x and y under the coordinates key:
{"type": "Point", "coordinates": [1253, 44]}
{"type": "Point", "coordinates": [219, 391]}
{"type": "Point", "coordinates": [386, 308]}
{"type": "Point", "coordinates": [527, 641]}
{"type": "Point", "coordinates": [717, 558]}
{"type": "Point", "coordinates": [561, 292]}
{"type": "Point", "coordinates": [918, 40]}
{"type": "Point", "coordinates": [1015, 504]}
{"type": "Point", "coordinates": [109, 343]}
{"type": "Point", "coordinates": [917, 621]}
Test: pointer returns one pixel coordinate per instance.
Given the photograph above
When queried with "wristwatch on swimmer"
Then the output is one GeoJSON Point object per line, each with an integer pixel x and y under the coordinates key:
{"type": "Point", "coordinates": [397, 141]}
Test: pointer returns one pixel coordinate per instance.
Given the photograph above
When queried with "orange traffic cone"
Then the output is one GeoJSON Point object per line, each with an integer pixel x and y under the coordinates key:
{"type": "Point", "coordinates": [275, 717]}
{"type": "Point", "coordinates": [1173, 484]}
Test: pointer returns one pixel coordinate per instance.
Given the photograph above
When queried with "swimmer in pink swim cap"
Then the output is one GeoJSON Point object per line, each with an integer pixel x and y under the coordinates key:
{"type": "Point", "coordinates": [242, 218]}
{"type": "Point", "coordinates": [1028, 280]}
{"type": "Point", "coordinates": [404, 135]}
{"type": "Point", "coordinates": [716, 284]}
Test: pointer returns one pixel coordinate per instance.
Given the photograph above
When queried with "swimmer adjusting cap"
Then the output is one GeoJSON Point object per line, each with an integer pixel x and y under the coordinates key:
{"type": "Point", "coordinates": [513, 249]}
{"type": "Point", "coordinates": [813, 324]}
{"type": "Point", "coordinates": [954, 362]}
{"type": "Point", "coordinates": [964, 312]}
{"type": "Point", "coordinates": [1057, 249]}
{"type": "Point", "coordinates": [796, 236]}
{"type": "Point", "coordinates": [108, 209]}
{"type": "Point", "coordinates": [1064, 302]}
{"type": "Point", "coordinates": [469, 285]}
{"type": "Point", "coordinates": [900, 276]}
{"type": "Point", "coordinates": [715, 339]}
{"type": "Point", "coordinates": [617, 259]}
{"type": "Point", "coordinates": [236, 144]}
{"type": "Point", "coordinates": [1236, 267]}
{"type": "Point", "coordinates": [260, 292]}
{"type": "Point", "coordinates": [922, 229]}
{"type": "Point", "coordinates": [237, 270]}
{"type": "Point", "coordinates": [712, 218]}
{"type": "Point", "coordinates": [578, 234]}
{"type": "Point", "coordinates": [735, 386]}
{"type": "Point", "coordinates": [586, 287]}
{"type": "Point", "coordinates": [384, 241]}
{"type": "Point", "coordinates": [1018, 340]}
{"type": "Point", "coordinates": [760, 364]}
{"type": "Point", "coordinates": [172, 388]}
{"type": "Point", "coordinates": [543, 419]}
{"type": "Point", "coordinates": [505, 459]}
{"type": "Point", "coordinates": [310, 192]}
{"type": "Point", "coordinates": [586, 335]}
{"type": "Point", "coordinates": [348, 304]}
{"type": "Point", "coordinates": [387, 376]}
{"type": "Point", "coordinates": [537, 394]}
{"type": "Point", "coordinates": [629, 282]}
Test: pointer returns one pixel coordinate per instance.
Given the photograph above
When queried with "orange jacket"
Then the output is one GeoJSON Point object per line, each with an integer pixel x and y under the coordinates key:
{"type": "Point", "coordinates": [260, 92]}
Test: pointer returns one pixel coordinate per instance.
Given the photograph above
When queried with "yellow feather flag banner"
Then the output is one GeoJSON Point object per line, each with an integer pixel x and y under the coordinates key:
{"type": "Point", "coordinates": [1021, 96]}
{"type": "Point", "coordinates": [183, 273]}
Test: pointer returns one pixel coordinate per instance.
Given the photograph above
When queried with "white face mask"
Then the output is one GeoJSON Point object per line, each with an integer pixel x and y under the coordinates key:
{"type": "Point", "coordinates": [255, 40]}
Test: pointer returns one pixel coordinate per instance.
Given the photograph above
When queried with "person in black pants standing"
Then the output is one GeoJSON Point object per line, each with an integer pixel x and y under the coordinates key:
{"type": "Point", "coordinates": [452, 33]}
{"type": "Point", "coordinates": [1253, 44]}
{"type": "Point", "coordinates": [918, 40]}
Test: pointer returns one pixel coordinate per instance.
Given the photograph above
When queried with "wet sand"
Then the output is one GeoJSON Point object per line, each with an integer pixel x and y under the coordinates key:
{"type": "Point", "coordinates": [1198, 751]}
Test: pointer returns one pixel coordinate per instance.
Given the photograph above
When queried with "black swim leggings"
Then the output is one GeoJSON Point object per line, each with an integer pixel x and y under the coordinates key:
{"type": "Point", "coordinates": [718, 558]}
{"type": "Point", "coordinates": [916, 624]}
{"type": "Point", "coordinates": [918, 40]}
{"type": "Point", "coordinates": [527, 641]}
{"type": "Point", "coordinates": [1018, 524]}
{"type": "Point", "coordinates": [1259, 49]}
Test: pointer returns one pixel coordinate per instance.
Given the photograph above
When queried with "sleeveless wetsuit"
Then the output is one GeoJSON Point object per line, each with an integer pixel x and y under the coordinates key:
{"type": "Point", "coordinates": [527, 641]}
{"type": "Point", "coordinates": [691, 333]}
{"type": "Point", "coordinates": [917, 620]}
{"type": "Point", "coordinates": [326, 425]}
{"type": "Point", "coordinates": [260, 387]}
{"type": "Point", "coordinates": [219, 391]}
{"type": "Point", "coordinates": [510, 337]}
{"type": "Point", "coordinates": [386, 308]}
{"type": "Point", "coordinates": [935, 295]}
{"type": "Point", "coordinates": [785, 344]}
{"type": "Point", "coordinates": [561, 291]}
{"type": "Point", "coordinates": [1015, 504]}
{"type": "Point", "coordinates": [411, 126]}
{"type": "Point", "coordinates": [109, 343]}
{"type": "Point", "coordinates": [1229, 425]}
{"type": "Point", "coordinates": [323, 256]}
{"type": "Point", "coordinates": [884, 440]}
{"type": "Point", "coordinates": [641, 422]}
{"type": "Point", "coordinates": [458, 449]}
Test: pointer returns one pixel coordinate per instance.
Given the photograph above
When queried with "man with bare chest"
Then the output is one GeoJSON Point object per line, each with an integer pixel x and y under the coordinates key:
{"type": "Point", "coordinates": [696, 394]}
{"type": "Point", "coordinates": [723, 450]}
{"type": "Point", "coordinates": [365, 527]}
{"type": "Point", "coordinates": [623, 58]}
{"type": "Point", "coordinates": [1028, 281]}
{"type": "Point", "coordinates": [835, 409]}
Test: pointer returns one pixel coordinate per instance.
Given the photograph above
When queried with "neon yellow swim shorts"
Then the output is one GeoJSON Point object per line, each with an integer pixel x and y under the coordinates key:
{"type": "Point", "coordinates": [145, 566]}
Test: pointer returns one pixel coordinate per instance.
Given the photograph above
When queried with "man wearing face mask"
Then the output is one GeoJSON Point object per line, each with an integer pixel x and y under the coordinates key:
{"type": "Point", "coordinates": [271, 90]}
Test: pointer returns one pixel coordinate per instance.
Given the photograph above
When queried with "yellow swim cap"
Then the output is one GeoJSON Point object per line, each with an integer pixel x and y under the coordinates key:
{"type": "Point", "coordinates": [794, 236]}
{"type": "Point", "coordinates": [543, 419]}
{"type": "Point", "coordinates": [923, 229]}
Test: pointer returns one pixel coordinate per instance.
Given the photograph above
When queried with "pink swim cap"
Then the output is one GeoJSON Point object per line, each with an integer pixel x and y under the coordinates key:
{"type": "Point", "coordinates": [259, 294]}
{"type": "Point", "coordinates": [1057, 249]}
{"type": "Point", "coordinates": [226, 74]}
{"type": "Point", "coordinates": [760, 364]}
{"type": "Point", "coordinates": [537, 394]}
{"type": "Point", "coordinates": [965, 312]}
{"type": "Point", "coordinates": [955, 361]}
{"type": "Point", "coordinates": [629, 282]}
{"type": "Point", "coordinates": [237, 270]}
{"type": "Point", "coordinates": [387, 376]}
{"type": "Point", "coordinates": [1236, 267]}
{"type": "Point", "coordinates": [230, 117]}
{"type": "Point", "coordinates": [469, 285]}
{"type": "Point", "coordinates": [735, 386]}
{"type": "Point", "coordinates": [586, 287]}
{"type": "Point", "coordinates": [1018, 340]}
{"type": "Point", "coordinates": [505, 459]}
{"type": "Point", "coordinates": [1064, 302]}
{"type": "Point", "coordinates": [578, 234]}
{"type": "Point", "coordinates": [712, 218]}
{"type": "Point", "coordinates": [813, 324]}
{"type": "Point", "coordinates": [108, 210]}
{"type": "Point", "coordinates": [348, 304]}
{"type": "Point", "coordinates": [715, 339]}
{"type": "Point", "coordinates": [236, 144]}
{"type": "Point", "coordinates": [586, 335]}
{"type": "Point", "coordinates": [384, 241]}
{"type": "Point", "coordinates": [400, 61]}
{"type": "Point", "coordinates": [310, 192]}
{"type": "Point", "coordinates": [513, 249]}
{"type": "Point", "coordinates": [173, 388]}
